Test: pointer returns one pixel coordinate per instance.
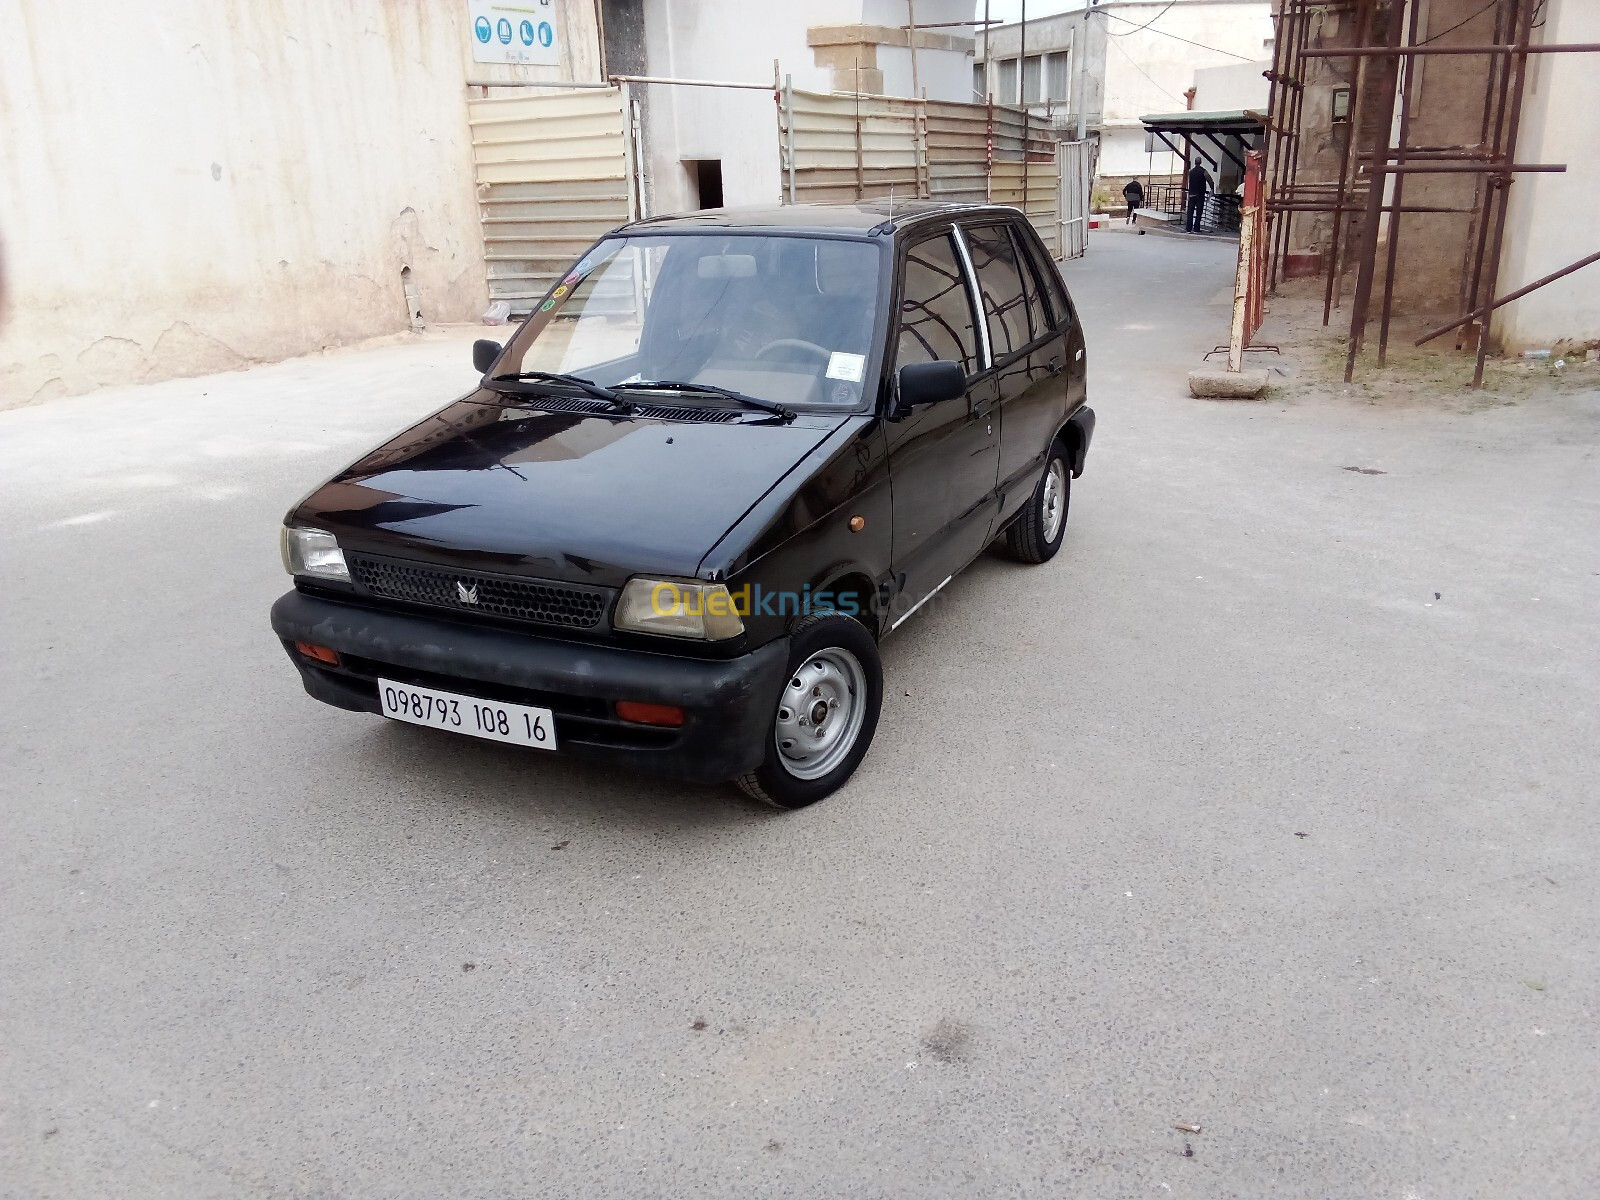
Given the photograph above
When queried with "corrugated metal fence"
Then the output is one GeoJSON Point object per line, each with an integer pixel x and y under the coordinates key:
{"type": "Point", "coordinates": [841, 148]}
{"type": "Point", "coordinates": [553, 175]}
{"type": "Point", "coordinates": [557, 170]}
{"type": "Point", "coordinates": [1077, 171]}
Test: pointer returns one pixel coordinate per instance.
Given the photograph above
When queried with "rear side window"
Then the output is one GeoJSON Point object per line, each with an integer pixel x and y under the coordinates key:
{"type": "Point", "coordinates": [1005, 307]}
{"type": "Point", "coordinates": [1038, 315]}
{"type": "Point", "coordinates": [1055, 295]}
{"type": "Point", "coordinates": [935, 308]}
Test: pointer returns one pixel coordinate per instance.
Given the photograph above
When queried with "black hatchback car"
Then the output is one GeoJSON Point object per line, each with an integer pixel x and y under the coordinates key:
{"type": "Point", "coordinates": [725, 455]}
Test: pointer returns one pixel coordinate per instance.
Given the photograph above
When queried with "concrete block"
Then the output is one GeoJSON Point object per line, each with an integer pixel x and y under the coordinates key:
{"type": "Point", "coordinates": [1217, 383]}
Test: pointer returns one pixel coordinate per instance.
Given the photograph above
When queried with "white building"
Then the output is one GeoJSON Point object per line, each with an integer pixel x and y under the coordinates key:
{"type": "Point", "coordinates": [1111, 63]}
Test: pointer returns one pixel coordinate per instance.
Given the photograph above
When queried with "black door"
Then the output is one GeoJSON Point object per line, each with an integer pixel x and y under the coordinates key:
{"type": "Point", "coordinates": [943, 458]}
{"type": "Point", "coordinates": [1029, 357]}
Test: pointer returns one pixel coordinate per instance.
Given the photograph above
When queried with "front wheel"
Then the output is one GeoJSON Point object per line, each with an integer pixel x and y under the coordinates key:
{"type": "Point", "coordinates": [1035, 536]}
{"type": "Point", "coordinates": [826, 713]}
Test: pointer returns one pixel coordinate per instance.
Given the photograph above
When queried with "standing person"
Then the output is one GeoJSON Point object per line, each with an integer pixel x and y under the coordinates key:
{"type": "Point", "coordinates": [1133, 193]}
{"type": "Point", "coordinates": [1199, 185]}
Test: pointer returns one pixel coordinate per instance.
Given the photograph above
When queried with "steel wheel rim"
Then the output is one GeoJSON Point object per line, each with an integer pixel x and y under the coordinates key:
{"type": "Point", "coordinates": [1055, 494]}
{"type": "Point", "coordinates": [820, 713]}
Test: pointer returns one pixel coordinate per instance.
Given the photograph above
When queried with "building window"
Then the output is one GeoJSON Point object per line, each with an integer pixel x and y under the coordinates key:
{"type": "Point", "coordinates": [1031, 78]}
{"type": "Point", "coordinates": [979, 82]}
{"type": "Point", "coordinates": [1057, 76]}
{"type": "Point", "coordinates": [1005, 84]}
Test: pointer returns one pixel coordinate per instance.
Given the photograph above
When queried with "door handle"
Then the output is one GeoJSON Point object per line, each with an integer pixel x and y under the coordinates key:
{"type": "Point", "coordinates": [1055, 364]}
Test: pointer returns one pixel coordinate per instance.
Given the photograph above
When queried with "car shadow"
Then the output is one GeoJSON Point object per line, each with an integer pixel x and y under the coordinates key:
{"type": "Point", "coordinates": [526, 784]}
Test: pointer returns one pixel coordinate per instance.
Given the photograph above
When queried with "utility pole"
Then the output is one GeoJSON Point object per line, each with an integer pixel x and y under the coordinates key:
{"type": "Point", "coordinates": [911, 39]}
{"type": "Point", "coordinates": [1022, 59]}
{"type": "Point", "coordinates": [988, 67]}
{"type": "Point", "coordinates": [1081, 83]}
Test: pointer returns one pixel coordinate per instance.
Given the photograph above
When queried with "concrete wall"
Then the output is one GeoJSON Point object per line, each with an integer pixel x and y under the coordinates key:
{"type": "Point", "coordinates": [1448, 112]}
{"type": "Point", "coordinates": [191, 186]}
{"type": "Point", "coordinates": [1554, 220]}
{"type": "Point", "coordinates": [718, 39]}
{"type": "Point", "coordinates": [1234, 86]}
{"type": "Point", "coordinates": [706, 39]}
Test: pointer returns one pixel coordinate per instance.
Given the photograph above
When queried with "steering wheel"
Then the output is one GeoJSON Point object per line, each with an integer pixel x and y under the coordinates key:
{"type": "Point", "coordinates": [795, 344]}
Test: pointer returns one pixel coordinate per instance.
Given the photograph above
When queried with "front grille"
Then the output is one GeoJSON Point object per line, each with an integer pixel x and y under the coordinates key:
{"type": "Point", "coordinates": [572, 606]}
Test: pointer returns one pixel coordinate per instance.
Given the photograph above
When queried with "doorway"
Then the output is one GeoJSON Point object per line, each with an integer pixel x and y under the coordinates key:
{"type": "Point", "coordinates": [705, 177]}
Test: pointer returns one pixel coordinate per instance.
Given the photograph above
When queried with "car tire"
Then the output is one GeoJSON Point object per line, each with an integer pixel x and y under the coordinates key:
{"type": "Point", "coordinates": [1035, 536]}
{"type": "Point", "coordinates": [833, 669]}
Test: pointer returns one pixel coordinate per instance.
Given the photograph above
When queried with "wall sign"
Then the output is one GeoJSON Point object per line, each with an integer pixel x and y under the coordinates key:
{"type": "Point", "coordinates": [516, 32]}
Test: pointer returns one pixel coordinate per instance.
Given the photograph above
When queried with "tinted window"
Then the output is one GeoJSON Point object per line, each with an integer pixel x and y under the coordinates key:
{"type": "Point", "coordinates": [1055, 295]}
{"type": "Point", "coordinates": [1005, 309]}
{"type": "Point", "coordinates": [935, 308]}
{"type": "Point", "coordinates": [1038, 314]}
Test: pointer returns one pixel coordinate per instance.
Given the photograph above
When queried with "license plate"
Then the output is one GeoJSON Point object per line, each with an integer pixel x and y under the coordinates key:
{"type": "Point", "coordinates": [493, 719]}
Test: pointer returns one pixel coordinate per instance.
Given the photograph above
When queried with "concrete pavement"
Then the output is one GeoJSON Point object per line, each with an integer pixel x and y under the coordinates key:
{"type": "Point", "coordinates": [1268, 806]}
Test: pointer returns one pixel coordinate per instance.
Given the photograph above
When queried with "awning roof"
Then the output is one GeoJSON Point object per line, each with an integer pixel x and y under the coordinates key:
{"type": "Point", "coordinates": [1236, 121]}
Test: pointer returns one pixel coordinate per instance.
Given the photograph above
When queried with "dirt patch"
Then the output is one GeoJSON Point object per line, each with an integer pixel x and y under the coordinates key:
{"type": "Point", "coordinates": [1435, 375]}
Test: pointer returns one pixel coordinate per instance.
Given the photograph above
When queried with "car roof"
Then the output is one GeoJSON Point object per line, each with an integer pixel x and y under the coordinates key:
{"type": "Point", "coordinates": [867, 218]}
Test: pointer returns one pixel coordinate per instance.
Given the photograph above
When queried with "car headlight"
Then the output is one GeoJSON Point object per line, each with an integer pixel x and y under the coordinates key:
{"type": "Point", "coordinates": [313, 552]}
{"type": "Point", "coordinates": [675, 608]}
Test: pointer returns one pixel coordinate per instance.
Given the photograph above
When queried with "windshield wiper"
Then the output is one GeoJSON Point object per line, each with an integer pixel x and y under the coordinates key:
{"type": "Point", "coordinates": [587, 386]}
{"type": "Point", "coordinates": [707, 389]}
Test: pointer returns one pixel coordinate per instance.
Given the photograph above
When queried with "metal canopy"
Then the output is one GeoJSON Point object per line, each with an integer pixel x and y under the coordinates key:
{"type": "Point", "coordinates": [1238, 121]}
{"type": "Point", "coordinates": [1215, 127]}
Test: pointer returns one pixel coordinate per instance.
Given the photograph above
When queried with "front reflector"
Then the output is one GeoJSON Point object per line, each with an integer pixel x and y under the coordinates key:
{"type": "Point", "coordinates": [649, 714]}
{"type": "Point", "coordinates": [322, 654]}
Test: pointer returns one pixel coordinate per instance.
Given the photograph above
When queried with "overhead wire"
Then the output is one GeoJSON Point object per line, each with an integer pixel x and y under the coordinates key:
{"type": "Point", "coordinates": [1146, 25]}
{"type": "Point", "coordinates": [1164, 33]}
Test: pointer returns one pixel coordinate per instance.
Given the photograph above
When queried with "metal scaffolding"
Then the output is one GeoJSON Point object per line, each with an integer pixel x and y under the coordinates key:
{"type": "Point", "coordinates": [1368, 195]}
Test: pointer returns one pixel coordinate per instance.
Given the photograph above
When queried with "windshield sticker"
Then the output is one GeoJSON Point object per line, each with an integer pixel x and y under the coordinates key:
{"type": "Point", "coordinates": [560, 291]}
{"type": "Point", "coordinates": [849, 367]}
{"type": "Point", "coordinates": [547, 306]}
{"type": "Point", "coordinates": [843, 393]}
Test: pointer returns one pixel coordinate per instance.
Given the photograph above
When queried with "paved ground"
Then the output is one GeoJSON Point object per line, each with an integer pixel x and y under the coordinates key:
{"type": "Point", "coordinates": [1268, 807]}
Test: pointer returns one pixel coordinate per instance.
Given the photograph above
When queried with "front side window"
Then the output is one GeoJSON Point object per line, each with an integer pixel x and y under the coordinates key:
{"type": "Point", "coordinates": [936, 308]}
{"type": "Point", "coordinates": [786, 319]}
{"type": "Point", "coordinates": [1005, 308]}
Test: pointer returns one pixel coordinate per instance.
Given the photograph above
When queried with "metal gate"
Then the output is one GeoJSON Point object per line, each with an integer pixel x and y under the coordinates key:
{"type": "Point", "coordinates": [841, 148]}
{"type": "Point", "coordinates": [554, 174]}
{"type": "Point", "coordinates": [1076, 163]}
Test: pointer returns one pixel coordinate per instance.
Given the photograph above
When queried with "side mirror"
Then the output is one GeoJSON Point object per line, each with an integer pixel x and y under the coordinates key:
{"type": "Point", "coordinates": [931, 382]}
{"type": "Point", "coordinates": [484, 352]}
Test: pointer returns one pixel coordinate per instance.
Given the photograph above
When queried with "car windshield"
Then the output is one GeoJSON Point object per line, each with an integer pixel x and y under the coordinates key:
{"type": "Point", "coordinates": [788, 320]}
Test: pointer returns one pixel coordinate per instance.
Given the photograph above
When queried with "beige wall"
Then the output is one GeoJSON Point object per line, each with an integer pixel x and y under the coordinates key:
{"type": "Point", "coordinates": [1554, 220]}
{"type": "Point", "coordinates": [192, 185]}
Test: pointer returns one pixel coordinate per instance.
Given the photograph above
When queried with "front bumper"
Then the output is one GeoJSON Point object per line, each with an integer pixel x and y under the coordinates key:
{"type": "Point", "coordinates": [727, 703]}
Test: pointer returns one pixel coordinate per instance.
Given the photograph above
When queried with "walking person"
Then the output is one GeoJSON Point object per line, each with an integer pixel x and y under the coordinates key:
{"type": "Point", "coordinates": [1199, 185]}
{"type": "Point", "coordinates": [1133, 193]}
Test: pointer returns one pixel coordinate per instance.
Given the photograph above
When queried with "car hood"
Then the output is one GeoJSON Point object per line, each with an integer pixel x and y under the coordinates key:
{"type": "Point", "coordinates": [559, 495]}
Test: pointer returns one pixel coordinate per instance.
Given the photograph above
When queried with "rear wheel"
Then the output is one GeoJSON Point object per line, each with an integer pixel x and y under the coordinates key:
{"type": "Point", "coordinates": [825, 716]}
{"type": "Point", "coordinates": [1035, 536]}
